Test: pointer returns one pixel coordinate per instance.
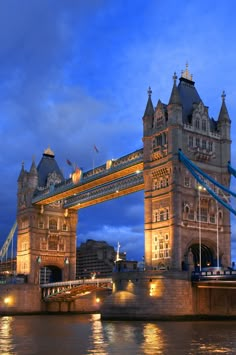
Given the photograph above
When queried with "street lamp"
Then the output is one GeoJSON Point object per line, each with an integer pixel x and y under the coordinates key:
{"type": "Point", "coordinates": [200, 188]}
{"type": "Point", "coordinates": [217, 234]}
{"type": "Point", "coordinates": [38, 261]}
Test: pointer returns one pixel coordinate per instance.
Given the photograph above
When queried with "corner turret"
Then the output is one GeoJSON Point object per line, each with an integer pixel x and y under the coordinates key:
{"type": "Point", "coordinates": [33, 176]}
{"type": "Point", "coordinates": [148, 115]}
{"type": "Point", "coordinates": [224, 121]}
{"type": "Point", "coordinates": [175, 106]}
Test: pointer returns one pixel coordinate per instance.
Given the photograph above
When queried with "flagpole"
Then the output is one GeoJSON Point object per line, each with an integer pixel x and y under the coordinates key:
{"type": "Point", "coordinates": [95, 151]}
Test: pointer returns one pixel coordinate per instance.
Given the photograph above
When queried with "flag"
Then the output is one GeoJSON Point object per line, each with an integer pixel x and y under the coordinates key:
{"type": "Point", "coordinates": [96, 149]}
{"type": "Point", "coordinates": [68, 162]}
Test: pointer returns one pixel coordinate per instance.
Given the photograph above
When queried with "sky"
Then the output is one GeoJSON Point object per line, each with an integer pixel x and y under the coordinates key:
{"type": "Point", "coordinates": [75, 73]}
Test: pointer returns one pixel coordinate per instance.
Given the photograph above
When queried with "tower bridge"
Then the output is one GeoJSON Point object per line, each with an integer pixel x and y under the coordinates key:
{"type": "Point", "coordinates": [185, 228]}
{"type": "Point", "coordinates": [175, 211]}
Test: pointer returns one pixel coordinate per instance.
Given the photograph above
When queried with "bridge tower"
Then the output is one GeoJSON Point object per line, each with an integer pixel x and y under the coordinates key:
{"type": "Point", "coordinates": [183, 224]}
{"type": "Point", "coordinates": [46, 241]}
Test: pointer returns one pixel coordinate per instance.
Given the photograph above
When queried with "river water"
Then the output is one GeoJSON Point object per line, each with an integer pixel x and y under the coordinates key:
{"type": "Point", "coordinates": [87, 334]}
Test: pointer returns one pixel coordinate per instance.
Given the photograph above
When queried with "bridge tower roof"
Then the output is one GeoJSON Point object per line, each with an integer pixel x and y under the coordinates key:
{"type": "Point", "coordinates": [46, 166]}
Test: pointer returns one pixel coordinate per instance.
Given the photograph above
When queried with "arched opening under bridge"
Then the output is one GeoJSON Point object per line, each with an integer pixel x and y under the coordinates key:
{"type": "Point", "coordinates": [208, 258]}
{"type": "Point", "coordinates": [50, 273]}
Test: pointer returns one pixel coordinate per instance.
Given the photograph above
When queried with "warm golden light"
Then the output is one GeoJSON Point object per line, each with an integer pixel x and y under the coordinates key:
{"type": "Point", "coordinates": [7, 300]}
{"type": "Point", "coordinates": [97, 299]}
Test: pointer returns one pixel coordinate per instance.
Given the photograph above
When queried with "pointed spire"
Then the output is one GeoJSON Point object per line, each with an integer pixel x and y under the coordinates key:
{"type": "Point", "coordinates": [223, 115]}
{"type": "Point", "coordinates": [22, 172]}
{"type": "Point", "coordinates": [33, 169]}
{"type": "Point", "coordinates": [185, 73]}
{"type": "Point", "coordinates": [149, 111]}
{"type": "Point", "coordinates": [174, 97]}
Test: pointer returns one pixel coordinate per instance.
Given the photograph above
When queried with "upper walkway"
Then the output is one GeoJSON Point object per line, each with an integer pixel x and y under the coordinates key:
{"type": "Point", "coordinates": [114, 179]}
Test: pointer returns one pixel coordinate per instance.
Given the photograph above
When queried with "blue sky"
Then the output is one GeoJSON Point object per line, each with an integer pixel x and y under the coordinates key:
{"type": "Point", "coordinates": [76, 73]}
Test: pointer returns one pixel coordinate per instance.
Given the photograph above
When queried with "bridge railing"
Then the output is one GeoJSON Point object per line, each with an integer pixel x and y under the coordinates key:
{"type": "Point", "coordinates": [55, 288]}
{"type": "Point", "coordinates": [92, 174]}
{"type": "Point", "coordinates": [213, 275]}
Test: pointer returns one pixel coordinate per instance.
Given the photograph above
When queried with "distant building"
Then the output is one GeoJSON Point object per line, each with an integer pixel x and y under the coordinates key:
{"type": "Point", "coordinates": [96, 259]}
{"type": "Point", "coordinates": [7, 268]}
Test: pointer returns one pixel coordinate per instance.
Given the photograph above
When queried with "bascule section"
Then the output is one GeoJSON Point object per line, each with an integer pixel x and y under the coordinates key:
{"type": "Point", "coordinates": [185, 225]}
{"type": "Point", "coordinates": [46, 242]}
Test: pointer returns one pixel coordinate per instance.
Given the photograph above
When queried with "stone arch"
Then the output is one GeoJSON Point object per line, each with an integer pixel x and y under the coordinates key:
{"type": "Point", "coordinates": [50, 273]}
{"type": "Point", "coordinates": [208, 254]}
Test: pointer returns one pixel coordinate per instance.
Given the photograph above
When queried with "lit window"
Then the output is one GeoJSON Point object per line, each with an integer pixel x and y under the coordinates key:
{"type": "Point", "coordinates": [53, 224]}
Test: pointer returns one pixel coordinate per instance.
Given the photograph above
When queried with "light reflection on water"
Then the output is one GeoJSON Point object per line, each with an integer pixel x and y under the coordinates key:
{"type": "Point", "coordinates": [6, 344]}
{"type": "Point", "coordinates": [88, 335]}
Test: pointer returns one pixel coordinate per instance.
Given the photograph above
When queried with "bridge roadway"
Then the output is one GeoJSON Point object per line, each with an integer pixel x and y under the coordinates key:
{"type": "Point", "coordinates": [71, 290]}
{"type": "Point", "coordinates": [114, 179]}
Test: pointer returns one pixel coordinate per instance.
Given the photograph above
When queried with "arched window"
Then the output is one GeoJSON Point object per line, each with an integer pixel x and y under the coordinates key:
{"type": "Point", "coordinates": [64, 227]}
{"type": "Point", "coordinates": [197, 123]}
{"type": "Point", "coordinates": [204, 125]}
{"type": "Point", "coordinates": [53, 224]}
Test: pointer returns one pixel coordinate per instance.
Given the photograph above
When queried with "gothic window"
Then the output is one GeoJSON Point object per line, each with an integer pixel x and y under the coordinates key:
{"type": "Point", "coordinates": [155, 184]}
{"type": "Point", "coordinates": [186, 209]}
{"type": "Point", "coordinates": [212, 218]}
{"type": "Point", "coordinates": [167, 213]}
{"type": "Point", "coordinates": [203, 144]}
{"type": "Point", "coordinates": [190, 141]}
{"type": "Point", "coordinates": [187, 181]}
{"type": "Point", "coordinates": [197, 123]}
{"type": "Point", "coordinates": [164, 138]}
{"type": "Point", "coordinates": [210, 146]}
{"type": "Point", "coordinates": [159, 140]}
{"type": "Point", "coordinates": [64, 227]}
{"type": "Point", "coordinates": [197, 142]}
{"type": "Point", "coordinates": [53, 224]}
{"type": "Point", "coordinates": [163, 246]}
{"type": "Point", "coordinates": [203, 216]}
{"type": "Point", "coordinates": [162, 215]}
{"type": "Point", "coordinates": [220, 216]}
{"type": "Point", "coordinates": [204, 125]}
{"type": "Point", "coordinates": [156, 216]}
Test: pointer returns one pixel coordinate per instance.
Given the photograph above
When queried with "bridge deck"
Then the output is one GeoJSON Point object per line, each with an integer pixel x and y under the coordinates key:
{"type": "Point", "coordinates": [121, 177]}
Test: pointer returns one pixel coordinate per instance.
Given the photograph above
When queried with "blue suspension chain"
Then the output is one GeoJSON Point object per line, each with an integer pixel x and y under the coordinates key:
{"type": "Point", "coordinates": [190, 166]}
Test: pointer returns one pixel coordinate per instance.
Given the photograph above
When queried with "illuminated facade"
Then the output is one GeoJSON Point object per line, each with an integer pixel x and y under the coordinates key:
{"type": "Point", "coordinates": [174, 228]}
{"type": "Point", "coordinates": [46, 241]}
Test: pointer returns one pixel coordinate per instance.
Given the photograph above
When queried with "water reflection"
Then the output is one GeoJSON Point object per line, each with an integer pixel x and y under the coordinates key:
{"type": "Point", "coordinates": [88, 335]}
{"type": "Point", "coordinates": [98, 345]}
{"type": "Point", "coordinates": [6, 340]}
{"type": "Point", "coordinates": [153, 339]}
